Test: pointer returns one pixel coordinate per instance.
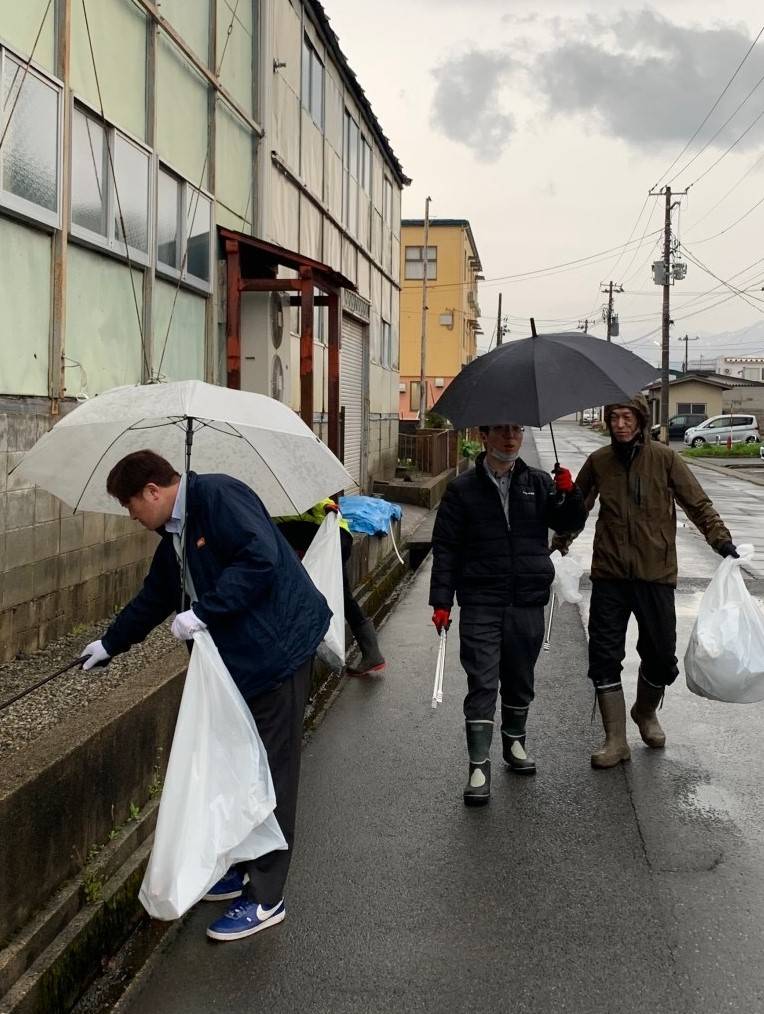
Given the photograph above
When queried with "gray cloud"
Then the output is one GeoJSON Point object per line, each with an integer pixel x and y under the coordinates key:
{"type": "Point", "coordinates": [649, 81]}
{"type": "Point", "coordinates": [466, 105]}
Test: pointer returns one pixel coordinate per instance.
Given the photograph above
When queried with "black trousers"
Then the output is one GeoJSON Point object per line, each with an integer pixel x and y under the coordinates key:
{"type": "Point", "coordinates": [612, 603]}
{"type": "Point", "coordinates": [279, 715]}
{"type": "Point", "coordinates": [499, 646]}
{"type": "Point", "coordinates": [354, 615]}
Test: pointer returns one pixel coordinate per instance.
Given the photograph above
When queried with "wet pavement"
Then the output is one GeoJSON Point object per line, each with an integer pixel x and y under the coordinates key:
{"type": "Point", "coordinates": [576, 891]}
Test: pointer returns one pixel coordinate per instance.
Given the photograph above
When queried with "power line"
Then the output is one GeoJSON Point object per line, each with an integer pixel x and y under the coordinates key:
{"type": "Point", "coordinates": [713, 137]}
{"type": "Point", "coordinates": [737, 221]}
{"type": "Point", "coordinates": [728, 150]}
{"type": "Point", "coordinates": [713, 107]}
{"type": "Point", "coordinates": [561, 268]}
{"type": "Point", "coordinates": [726, 284]}
{"type": "Point", "coordinates": [721, 200]}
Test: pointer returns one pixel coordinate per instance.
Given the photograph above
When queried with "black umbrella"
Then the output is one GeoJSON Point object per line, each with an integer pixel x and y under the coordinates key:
{"type": "Point", "coordinates": [535, 380]}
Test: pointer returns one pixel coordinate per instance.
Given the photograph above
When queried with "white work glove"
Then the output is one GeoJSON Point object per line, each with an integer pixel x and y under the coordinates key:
{"type": "Point", "coordinates": [186, 624]}
{"type": "Point", "coordinates": [97, 655]}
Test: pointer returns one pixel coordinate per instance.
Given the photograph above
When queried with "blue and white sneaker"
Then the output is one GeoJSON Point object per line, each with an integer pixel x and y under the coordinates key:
{"type": "Point", "coordinates": [244, 919]}
{"type": "Point", "coordinates": [230, 886]}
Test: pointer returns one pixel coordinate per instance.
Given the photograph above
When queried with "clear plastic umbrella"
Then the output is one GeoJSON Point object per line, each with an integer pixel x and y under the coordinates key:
{"type": "Point", "coordinates": [210, 429]}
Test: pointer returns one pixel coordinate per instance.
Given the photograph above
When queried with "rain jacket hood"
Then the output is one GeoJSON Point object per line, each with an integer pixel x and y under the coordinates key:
{"type": "Point", "coordinates": [638, 404]}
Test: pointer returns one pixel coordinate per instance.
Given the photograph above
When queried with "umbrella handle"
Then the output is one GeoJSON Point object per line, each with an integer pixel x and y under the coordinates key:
{"type": "Point", "coordinates": [556, 468]}
{"type": "Point", "coordinates": [548, 638]}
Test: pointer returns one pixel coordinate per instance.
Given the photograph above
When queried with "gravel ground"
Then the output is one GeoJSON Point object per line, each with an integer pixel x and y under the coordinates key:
{"type": "Point", "coordinates": [32, 715]}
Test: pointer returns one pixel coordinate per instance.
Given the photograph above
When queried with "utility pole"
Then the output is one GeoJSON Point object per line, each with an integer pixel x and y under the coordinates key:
{"type": "Point", "coordinates": [686, 341]}
{"type": "Point", "coordinates": [499, 328]}
{"type": "Point", "coordinates": [664, 277]}
{"type": "Point", "coordinates": [608, 314]}
{"type": "Point", "coordinates": [423, 359]}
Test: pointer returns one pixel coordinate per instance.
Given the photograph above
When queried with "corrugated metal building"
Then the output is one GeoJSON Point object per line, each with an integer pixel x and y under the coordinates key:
{"type": "Point", "coordinates": [139, 145]}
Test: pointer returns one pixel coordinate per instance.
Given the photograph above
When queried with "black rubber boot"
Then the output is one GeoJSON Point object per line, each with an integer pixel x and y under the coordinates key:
{"type": "Point", "coordinates": [372, 659]}
{"type": "Point", "coordinates": [513, 740]}
{"type": "Point", "coordinates": [477, 791]}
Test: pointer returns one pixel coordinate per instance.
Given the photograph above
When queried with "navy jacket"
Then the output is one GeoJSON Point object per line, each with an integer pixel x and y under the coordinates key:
{"type": "Point", "coordinates": [264, 613]}
{"type": "Point", "coordinates": [488, 561]}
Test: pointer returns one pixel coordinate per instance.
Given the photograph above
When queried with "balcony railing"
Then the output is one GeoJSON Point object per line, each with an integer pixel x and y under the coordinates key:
{"type": "Point", "coordinates": [428, 451]}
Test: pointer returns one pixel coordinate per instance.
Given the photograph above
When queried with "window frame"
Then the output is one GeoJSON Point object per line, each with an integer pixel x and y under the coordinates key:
{"type": "Point", "coordinates": [387, 201]}
{"type": "Point", "coordinates": [386, 345]}
{"type": "Point", "coordinates": [11, 202]}
{"type": "Point", "coordinates": [162, 269]}
{"type": "Point", "coordinates": [306, 101]}
{"type": "Point", "coordinates": [412, 385]}
{"type": "Point", "coordinates": [110, 243]}
{"type": "Point", "coordinates": [420, 261]}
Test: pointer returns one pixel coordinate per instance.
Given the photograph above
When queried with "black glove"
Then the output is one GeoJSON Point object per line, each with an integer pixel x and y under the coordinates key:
{"type": "Point", "coordinates": [728, 549]}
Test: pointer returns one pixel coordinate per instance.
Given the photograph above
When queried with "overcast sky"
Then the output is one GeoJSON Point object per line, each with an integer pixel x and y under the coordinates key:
{"type": "Point", "coordinates": [546, 123]}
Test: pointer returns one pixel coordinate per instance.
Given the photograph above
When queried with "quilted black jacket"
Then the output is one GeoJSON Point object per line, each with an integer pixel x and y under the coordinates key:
{"type": "Point", "coordinates": [484, 559]}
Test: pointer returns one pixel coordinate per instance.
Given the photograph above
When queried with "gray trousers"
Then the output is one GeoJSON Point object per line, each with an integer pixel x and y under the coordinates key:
{"type": "Point", "coordinates": [499, 646]}
{"type": "Point", "coordinates": [279, 715]}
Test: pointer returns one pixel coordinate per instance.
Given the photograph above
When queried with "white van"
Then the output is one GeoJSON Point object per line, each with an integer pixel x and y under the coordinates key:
{"type": "Point", "coordinates": [742, 429]}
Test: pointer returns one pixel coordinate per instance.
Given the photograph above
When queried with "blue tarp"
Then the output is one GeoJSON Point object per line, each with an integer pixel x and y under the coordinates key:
{"type": "Point", "coordinates": [368, 514]}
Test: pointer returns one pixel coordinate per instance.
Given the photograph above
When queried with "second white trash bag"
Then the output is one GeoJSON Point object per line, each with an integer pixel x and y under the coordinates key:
{"type": "Point", "coordinates": [724, 660]}
{"type": "Point", "coordinates": [567, 574]}
{"type": "Point", "coordinates": [218, 798]}
{"type": "Point", "coordinates": [323, 561]}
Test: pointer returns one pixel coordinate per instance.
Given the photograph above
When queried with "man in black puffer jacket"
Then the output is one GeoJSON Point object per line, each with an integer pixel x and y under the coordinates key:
{"type": "Point", "coordinates": [490, 549]}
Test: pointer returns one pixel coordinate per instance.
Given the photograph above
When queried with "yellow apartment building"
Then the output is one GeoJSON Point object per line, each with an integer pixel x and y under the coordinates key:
{"type": "Point", "coordinates": [453, 313]}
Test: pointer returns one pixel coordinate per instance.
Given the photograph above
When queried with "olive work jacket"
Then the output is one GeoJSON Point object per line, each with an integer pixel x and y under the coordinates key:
{"type": "Point", "coordinates": [635, 537]}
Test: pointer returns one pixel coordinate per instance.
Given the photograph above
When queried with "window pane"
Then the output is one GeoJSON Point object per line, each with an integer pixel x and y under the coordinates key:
{"type": "Point", "coordinates": [414, 269]}
{"type": "Point", "coordinates": [30, 149]}
{"type": "Point", "coordinates": [198, 212]}
{"type": "Point", "coordinates": [305, 75]}
{"type": "Point", "coordinates": [168, 196]}
{"type": "Point", "coordinates": [353, 149]}
{"type": "Point", "coordinates": [88, 174]}
{"type": "Point", "coordinates": [317, 90]}
{"type": "Point", "coordinates": [413, 253]}
{"type": "Point", "coordinates": [131, 172]}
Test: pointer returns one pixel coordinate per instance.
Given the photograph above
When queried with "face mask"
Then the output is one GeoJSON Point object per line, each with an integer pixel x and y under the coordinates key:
{"type": "Point", "coordinates": [505, 457]}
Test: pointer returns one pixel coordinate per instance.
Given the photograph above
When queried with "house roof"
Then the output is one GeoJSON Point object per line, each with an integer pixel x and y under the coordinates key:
{"type": "Point", "coordinates": [446, 223]}
{"type": "Point", "coordinates": [712, 379]}
{"type": "Point", "coordinates": [323, 24]}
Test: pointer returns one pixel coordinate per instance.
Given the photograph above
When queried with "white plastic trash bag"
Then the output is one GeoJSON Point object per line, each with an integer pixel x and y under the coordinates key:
{"type": "Point", "coordinates": [567, 574]}
{"type": "Point", "coordinates": [218, 798]}
{"type": "Point", "coordinates": [323, 561]}
{"type": "Point", "coordinates": [724, 660]}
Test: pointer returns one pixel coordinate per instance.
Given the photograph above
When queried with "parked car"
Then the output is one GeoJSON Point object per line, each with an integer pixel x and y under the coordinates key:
{"type": "Point", "coordinates": [742, 429]}
{"type": "Point", "coordinates": [678, 425]}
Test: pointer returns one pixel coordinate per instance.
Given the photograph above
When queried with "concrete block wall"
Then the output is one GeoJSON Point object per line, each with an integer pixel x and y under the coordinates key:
{"type": "Point", "coordinates": [57, 569]}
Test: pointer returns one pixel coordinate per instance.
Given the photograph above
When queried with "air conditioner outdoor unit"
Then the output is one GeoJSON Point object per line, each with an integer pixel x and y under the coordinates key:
{"type": "Point", "coordinates": [266, 347]}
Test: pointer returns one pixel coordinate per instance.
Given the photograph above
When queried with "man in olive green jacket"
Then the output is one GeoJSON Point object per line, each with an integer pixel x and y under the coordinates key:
{"type": "Point", "coordinates": [634, 568]}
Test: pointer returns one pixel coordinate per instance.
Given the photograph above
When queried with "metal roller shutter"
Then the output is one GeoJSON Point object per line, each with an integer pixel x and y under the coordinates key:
{"type": "Point", "coordinates": [352, 395]}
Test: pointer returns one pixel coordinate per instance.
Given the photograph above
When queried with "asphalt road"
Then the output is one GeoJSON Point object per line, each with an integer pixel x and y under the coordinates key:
{"type": "Point", "coordinates": [577, 891]}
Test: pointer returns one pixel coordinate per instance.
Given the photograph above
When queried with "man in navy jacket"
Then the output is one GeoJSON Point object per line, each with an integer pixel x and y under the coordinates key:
{"type": "Point", "coordinates": [244, 584]}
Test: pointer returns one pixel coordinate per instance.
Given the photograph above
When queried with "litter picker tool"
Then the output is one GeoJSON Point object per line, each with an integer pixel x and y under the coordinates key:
{"type": "Point", "coordinates": [440, 665]}
{"type": "Point", "coordinates": [42, 682]}
{"type": "Point", "coordinates": [548, 638]}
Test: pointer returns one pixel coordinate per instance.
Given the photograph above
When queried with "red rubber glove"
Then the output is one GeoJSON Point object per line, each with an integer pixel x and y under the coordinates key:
{"type": "Point", "coordinates": [563, 480]}
{"type": "Point", "coordinates": [442, 619]}
{"type": "Point", "coordinates": [331, 508]}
